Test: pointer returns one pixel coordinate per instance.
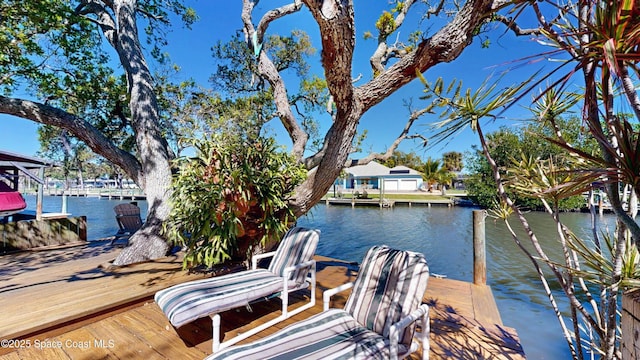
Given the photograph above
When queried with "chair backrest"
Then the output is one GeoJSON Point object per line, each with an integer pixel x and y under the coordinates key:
{"type": "Point", "coordinates": [389, 286]}
{"type": "Point", "coordinates": [128, 216]}
{"type": "Point", "coordinates": [297, 246]}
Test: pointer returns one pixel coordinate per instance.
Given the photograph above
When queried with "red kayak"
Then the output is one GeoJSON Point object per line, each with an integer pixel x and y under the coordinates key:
{"type": "Point", "coordinates": [11, 201]}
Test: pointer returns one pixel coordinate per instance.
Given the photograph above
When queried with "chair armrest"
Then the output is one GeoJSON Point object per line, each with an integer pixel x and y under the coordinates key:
{"type": "Point", "coordinates": [311, 264]}
{"type": "Point", "coordinates": [422, 313]}
{"type": "Point", "coordinates": [254, 260]}
{"type": "Point", "coordinates": [326, 296]}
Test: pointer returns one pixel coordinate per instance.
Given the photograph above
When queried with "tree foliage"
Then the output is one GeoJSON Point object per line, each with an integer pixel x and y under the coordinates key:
{"type": "Point", "coordinates": [432, 171]}
{"type": "Point", "coordinates": [508, 147]}
{"type": "Point", "coordinates": [231, 197]}
{"type": "Point", "coordinates": [48, 31]}
{"type": "Point", "coordinates": [410, 159]}
{"type": "Point", "coordinates": [452, 161]}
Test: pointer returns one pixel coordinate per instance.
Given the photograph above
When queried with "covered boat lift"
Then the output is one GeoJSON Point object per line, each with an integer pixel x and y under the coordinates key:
{"type": "Point", "coordinates": [23, 231]}
{"type": "Point", "coordinates": [11, 201]}
{"type": "Point", "coordinates": [12, 164]}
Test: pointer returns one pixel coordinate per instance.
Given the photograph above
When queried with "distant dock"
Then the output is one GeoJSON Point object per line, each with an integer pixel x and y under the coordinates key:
{"type": "Point", "coordinates": [122, 196]}
{"type": "Point", "coordinates": [111, 194]}
{"type": "Point", "coordinates": [388, 203]}
{"type": "Point", "coordinates": [384, 203]}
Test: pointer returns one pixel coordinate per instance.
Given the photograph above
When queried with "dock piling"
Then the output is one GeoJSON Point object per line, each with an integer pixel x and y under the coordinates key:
{"type": "Point", "coordinates": [479, 248]}
{"type": "Point", "coordinates": [64, 203]}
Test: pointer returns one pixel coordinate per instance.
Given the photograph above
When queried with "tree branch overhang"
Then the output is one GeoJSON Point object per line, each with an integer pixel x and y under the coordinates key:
{"type": "Point", "coordinates": [45, 114]}
{"type": "Point", "coordinates": [444, 46]}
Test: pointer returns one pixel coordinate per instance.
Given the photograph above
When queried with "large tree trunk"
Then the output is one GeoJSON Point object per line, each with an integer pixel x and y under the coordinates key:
{"type": "Point", "coordinates": [337, 28]}
{"type": "Point", "coordinates": [152, 170]}
{"type": "Point", "coordinates": [154, 174]}
{"type": "Point", "coordinates": [146, 243]}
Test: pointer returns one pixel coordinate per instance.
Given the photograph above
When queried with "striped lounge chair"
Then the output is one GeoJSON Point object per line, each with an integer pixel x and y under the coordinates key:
{"type": "Point", "coordinates": [292, 268]}
{"type": "Point", "coordinates": [377, 322]}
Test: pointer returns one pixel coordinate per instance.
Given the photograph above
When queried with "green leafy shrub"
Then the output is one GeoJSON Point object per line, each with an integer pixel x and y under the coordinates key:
{"type": "Point", "coordinates": [231, 197]}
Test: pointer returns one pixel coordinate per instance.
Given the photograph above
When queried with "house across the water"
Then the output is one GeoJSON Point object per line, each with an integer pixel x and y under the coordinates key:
{"type": "Point", "coordinates": [377, 176]}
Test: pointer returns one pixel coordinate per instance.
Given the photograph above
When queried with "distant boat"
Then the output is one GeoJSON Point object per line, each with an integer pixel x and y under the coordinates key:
{"type": "Point", "coordinates": [11, 201]}
{"type": "Point", "coordinates": [465, 203]}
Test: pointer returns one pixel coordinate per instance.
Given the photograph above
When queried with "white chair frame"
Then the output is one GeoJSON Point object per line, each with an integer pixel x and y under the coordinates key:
{"type": "Point", "coordinates": [284, 297]}
{"type": "Point", "coordinates": [421, 313]}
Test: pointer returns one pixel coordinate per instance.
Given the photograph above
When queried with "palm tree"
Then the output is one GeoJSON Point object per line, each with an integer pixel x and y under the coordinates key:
{"type": "Point", "coordinates": [444, 179]}
{"type": "Point", "coordinates": [432, 172]}
{"type": "Point", "coordinates": [452, 161]}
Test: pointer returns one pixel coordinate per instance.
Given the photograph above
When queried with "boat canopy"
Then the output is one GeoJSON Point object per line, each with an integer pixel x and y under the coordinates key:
{"type": "Point", "coordinates": [11, 201]}
{"type": "Point", "coordinates": [11, 165]}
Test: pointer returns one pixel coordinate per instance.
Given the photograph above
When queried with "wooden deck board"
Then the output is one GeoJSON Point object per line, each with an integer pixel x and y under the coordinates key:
{"type": "Point", "coordinates": [482, 307]}
{"type": "Point", "coordinates": [11, 356]}
{"type": "Point", "coordinates": [137, 322]}
{"type": "Point", "coordinates": [87, 348]}
{"type": "Point", "coordinates": [485, 308]}
{"type": "Point", "coordinates": [87, 289]}
{"type": "Point", "coordinates": [120, 321]}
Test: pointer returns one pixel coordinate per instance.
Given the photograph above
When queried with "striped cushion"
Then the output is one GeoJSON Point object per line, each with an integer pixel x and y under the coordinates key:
{"type": "Point", "coordinates": [332, 334]}
{"type": "Point", "coordinates": [297, 246]}
{"type": "Point", "coordinates": [192, 300]}
{"type": "Point", "coordinates": [189, 301]}
{"type": "Point", "coordinates": [389, 286]}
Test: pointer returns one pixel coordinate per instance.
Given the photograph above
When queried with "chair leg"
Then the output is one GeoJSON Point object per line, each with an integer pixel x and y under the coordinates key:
{"type": "Point", "coordinates": [215, 319]}
{"type": "Point", "coordinates": [284, 297]}
{"type": "Point", "coordinates": [312, 299]}
{"type": "Point", "coordinates": [425, 335]}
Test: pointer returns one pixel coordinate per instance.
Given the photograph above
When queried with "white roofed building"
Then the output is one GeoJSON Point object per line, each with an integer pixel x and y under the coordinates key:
{"type": "Point", "coordinates": [376, 176]}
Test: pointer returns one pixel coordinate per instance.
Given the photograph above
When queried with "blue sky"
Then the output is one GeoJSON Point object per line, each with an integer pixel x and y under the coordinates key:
{"type": "Point", "coordinates": [190, 49]}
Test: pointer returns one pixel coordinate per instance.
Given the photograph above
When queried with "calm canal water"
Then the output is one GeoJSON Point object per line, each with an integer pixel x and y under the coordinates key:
{"type": "Point", "coordinates": [443, 234]}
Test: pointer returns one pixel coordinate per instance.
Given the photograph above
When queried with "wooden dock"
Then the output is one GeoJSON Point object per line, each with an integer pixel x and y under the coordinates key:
{"type": "Point", "coordinates": [123, 195]}
{"type": "Point", "coordinates": [62, 304]}
{"type": "Point", "coordinates": [385, 203]}
{"type": "Point", "coordinates": [388, 203]}
{"type": "Point", "coordinates": [111, 194]}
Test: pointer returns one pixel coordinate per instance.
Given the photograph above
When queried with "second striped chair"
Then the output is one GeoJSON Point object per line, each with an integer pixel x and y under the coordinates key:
{"type": "Point", "coordinates": [377, 322]}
